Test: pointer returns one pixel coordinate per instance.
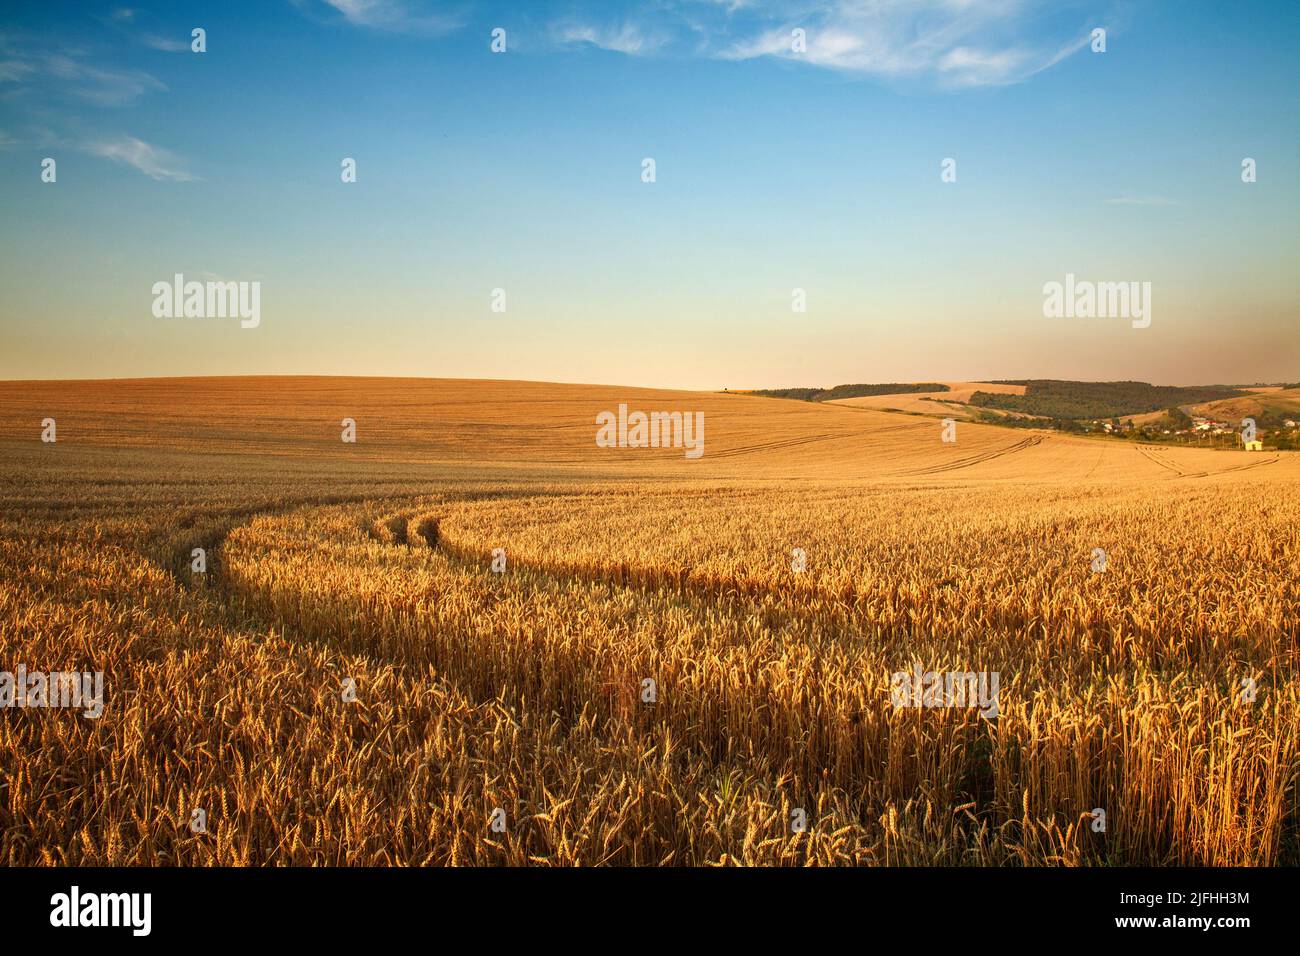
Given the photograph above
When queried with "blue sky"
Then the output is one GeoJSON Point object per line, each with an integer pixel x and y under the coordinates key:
{"type": "Point", "coordinates": [776, 170]}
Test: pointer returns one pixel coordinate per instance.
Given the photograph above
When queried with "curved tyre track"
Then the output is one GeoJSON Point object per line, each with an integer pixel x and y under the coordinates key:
{"type": "Point", "coordinates": [980, 458]}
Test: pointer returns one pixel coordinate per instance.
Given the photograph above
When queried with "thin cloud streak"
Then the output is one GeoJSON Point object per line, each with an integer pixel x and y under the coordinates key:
{"type": "Point", "coordinates": [166, 44]}
{"type": "Point", "coordinates": [627, 38]}
{"type": "Point", "coordinates": [953, 43]}
{"type": "Point", "coordinates": [391, 16]}
{"type": "Point", "coordinates": [155, 162]}
{"type": "Point", "coordinates": [70, 74]}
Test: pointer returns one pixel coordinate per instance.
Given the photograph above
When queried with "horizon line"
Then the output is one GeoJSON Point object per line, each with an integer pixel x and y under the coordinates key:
{"type": "Point", "coordinates": [536, 381]}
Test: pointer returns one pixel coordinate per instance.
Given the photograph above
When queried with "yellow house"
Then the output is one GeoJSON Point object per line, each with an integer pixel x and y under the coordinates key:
{"type": "Point", "coordinates": [1256, 445]}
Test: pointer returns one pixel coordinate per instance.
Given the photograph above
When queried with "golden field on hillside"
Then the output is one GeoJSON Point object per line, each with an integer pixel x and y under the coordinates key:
{"type": "Point", "coordinates": [769, 590]}
{"type": "Point", "coordinates": [953, 403]}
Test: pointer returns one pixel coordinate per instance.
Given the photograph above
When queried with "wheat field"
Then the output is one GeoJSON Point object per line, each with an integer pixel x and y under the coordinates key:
{"type": "Point", "coordinates": [432, 646]}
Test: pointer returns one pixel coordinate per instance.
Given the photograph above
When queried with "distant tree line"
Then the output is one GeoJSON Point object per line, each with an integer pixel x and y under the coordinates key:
{"type": "Point", "coordinates": [849, 391]}
{"type": "Point", "coordinates": [1051, 398]}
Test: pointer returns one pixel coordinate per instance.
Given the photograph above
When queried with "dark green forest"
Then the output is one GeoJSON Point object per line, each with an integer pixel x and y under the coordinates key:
{"type": "Point", "coordinates": [1051, 398]}
{"type": "Point", "coordinates": [848, 391]}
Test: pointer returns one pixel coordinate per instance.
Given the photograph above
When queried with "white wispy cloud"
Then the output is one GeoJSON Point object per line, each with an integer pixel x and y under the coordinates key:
{"type": "Point", "coordinates": [166, 44]}
{"type": "Point", "coordinates": [70, 73]}
{"type": "Point", "coordinates": [106, 87]}
{"type": "Point", "coordinates": [149, 30]}
{"type": "Point", "coordinates": [391, 16]}
{"type": "Point", "coordinates": [153, 161]}
{"type": "Point", "coordinates": [30, 136]}
{"type": "Point", "coordinates": [952, 43]}
{"type": "Point", "coordinates": [15, 70]}
{"type": "Point", "coordinates": [629, 38]}
{"type": "Point", "coordinates": [731, 6]}
{"type": "Point", "coordinates": [973, 67]}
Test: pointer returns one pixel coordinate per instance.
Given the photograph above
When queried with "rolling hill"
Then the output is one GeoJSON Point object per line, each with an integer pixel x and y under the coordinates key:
{"type": "Point", "coordinates": [551, 428]}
